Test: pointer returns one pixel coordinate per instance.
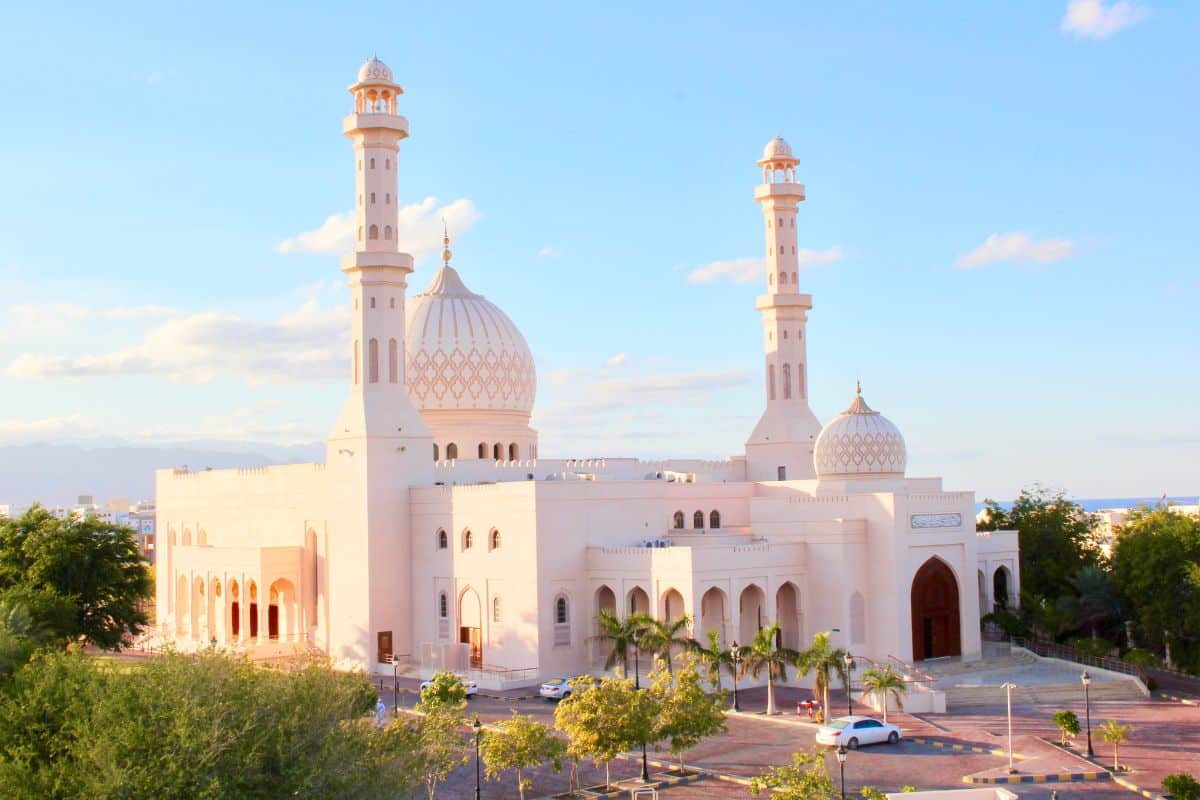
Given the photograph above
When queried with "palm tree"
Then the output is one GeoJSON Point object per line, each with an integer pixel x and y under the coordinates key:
{"type": "Point", "coordinates": [1094, 602]}
{"type": "Point", "coordinates": [620, 634]}
{"type": "Point", "coordinates": [661, 638]}
{"type": "Point", "coordinates": [1115, 734]}
{"type": "Point", "coordinates": [885, 682]}
{"type": "Point", "coordinates": [824, 662]}
{"type": "Point", "coordinates": [713, 657]}
{"type": "Point", "coordinates": [763, 654]}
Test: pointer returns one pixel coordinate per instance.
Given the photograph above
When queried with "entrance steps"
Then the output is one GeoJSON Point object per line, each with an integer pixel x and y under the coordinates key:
{"type": "Point", "coordinates": [1047, 694]}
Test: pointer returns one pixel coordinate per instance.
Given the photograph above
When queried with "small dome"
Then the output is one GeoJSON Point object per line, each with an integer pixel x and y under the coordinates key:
{"type": "Point", "coordinates": [374, 71]}
{"type": "Point", "coordinates": [777, 148]}
{"type": "Point", "coordinates": [859, 441]}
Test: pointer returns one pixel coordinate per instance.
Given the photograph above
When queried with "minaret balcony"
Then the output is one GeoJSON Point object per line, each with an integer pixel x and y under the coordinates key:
{"type": "Point", "coordinates": [377, 258]}
{"type": "Point", "coordinates": [790, 191]}
{"type": "Point", "coordinates": [369, 121]}
{"type": "Point", "coordinates": [800, 301]}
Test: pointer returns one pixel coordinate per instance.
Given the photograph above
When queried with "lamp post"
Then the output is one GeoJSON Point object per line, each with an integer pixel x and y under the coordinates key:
{"type": "Point", "coordinates": [1087, 707]}
{"type": "Point", "coordinates": [735, 655]}
{"type": "Point", "coordinates": [395, 688]}
{"type": "Point", "coordinates": [841, 757]}
{"type": "Point", "coordinates": [477, 726]}
{"type": "Point", "coordinates": [1008, 687]}
{"type": "Point", "coordinates": [637, 684]}
{"type": "Point", "coordinates": [849, 675]}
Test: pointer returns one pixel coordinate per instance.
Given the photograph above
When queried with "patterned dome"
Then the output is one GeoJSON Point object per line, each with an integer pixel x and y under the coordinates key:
{"type": "Point", "coordinates": [859, 441]}
{"type": "Point", "coordinates": [464, 353]}
{"type": "Point", "coordinates": [777, 148]}
{"type": "Point", "coordinates": [374, 71]}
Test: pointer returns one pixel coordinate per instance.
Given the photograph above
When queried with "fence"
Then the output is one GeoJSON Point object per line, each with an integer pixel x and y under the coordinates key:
{"type": "Point", "coordinates": [1066, 653]}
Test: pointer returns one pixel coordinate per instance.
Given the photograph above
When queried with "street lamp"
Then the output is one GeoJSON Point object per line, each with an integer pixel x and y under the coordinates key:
{"type": "Point", "coordinates": [477, 726]}
{"type": "Point", "coordinates": [849, 675]}
{"type": "Point", "coordinates": [735, 655]}
{"type": "Point", "coordinates": [1087, 705]}
{"type": "Point", "coordinates": [841, 757]}
{"type": "Point", "coordinates": [637, 684]}
{"type": "Point", "coordinates": [1008, 687]}
{"type": "Point", "coordinates": [395, 688]}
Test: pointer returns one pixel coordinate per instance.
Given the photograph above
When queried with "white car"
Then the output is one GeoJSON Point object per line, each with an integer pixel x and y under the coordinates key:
{"type": "Point", "coordinates": [471, 686]}
{"type": "Point", "coordinates": [556, 689]}
{"type": "Point", "coordinates": [855, 731]}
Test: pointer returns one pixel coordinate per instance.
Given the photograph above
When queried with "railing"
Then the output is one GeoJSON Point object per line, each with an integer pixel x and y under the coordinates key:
{"type": "Point", "coordinates": [921, 675]}
{"type": "Point", "coordinates": [504, 673]}
{"type": "Point", "coordinates": [1066, 653]}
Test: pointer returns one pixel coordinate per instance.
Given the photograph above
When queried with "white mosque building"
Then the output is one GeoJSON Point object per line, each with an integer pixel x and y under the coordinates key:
{"type": "Point", "coordinates": [436, 534]}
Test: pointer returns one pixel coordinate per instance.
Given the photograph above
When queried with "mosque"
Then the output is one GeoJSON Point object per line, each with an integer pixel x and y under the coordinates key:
{"type": "Point", "coordinates": [435, 534]}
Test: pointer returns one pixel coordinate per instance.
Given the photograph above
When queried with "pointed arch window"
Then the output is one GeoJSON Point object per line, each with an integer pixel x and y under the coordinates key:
{"type": "Point", "coordinates": [393, 360]}
{"type": "Point", "coordinates": [494, 543]}
{"type": "Point", "coordinates": [373, 233]}
{"type": "Point", "coordinates": [496, 609]}
{"type": "Point", "coordinates": [468, 539]}
{"type": "Point", "coordinates": [435, 452]}
{"type": "Point", "coordinates": [771, 381]}
{"type": "Point", "coordinates": [787, 381]}
{"type": "Point", "coordinates": [372, 198]}
{"type": "Point", "coordinates": [387, 232]}
{"type": "Point", "coordinates": [800, 388]}
{"type": "Point", "coordinates": [373, 361]}
{"type": "Point", "coordinates": [356, 367]}
{"type": "Point", "coordinates": [561, 611]}
{"type": "Point", "coordinates": [443, 606]}
{"type": "Point", "coordinates": [443, 541]}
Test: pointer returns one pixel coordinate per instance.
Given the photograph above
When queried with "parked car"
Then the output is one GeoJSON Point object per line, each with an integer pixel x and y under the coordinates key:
{"type": "Point", "coordinates": [471, 686]}
{"type": "Point", "coordinates": [555, 689]}
{"type": "Point", "coordinates": [855, 731]}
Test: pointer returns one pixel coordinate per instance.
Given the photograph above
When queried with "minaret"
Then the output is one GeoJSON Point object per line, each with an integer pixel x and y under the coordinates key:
{"type": "Point", "coordinates": [379, 446]}
{"type": "Point", "coordinates": [781, 446]}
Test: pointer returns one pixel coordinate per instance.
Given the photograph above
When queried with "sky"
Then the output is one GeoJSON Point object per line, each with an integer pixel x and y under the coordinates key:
{"type": "Point", "coordinates": [1001, 223]}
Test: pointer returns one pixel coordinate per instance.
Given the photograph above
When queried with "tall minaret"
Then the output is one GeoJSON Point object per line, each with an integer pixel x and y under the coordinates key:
{"type": "Point", "coordinates": [379, 446]}
{"type": "Point", "coordinates": [781, 446]}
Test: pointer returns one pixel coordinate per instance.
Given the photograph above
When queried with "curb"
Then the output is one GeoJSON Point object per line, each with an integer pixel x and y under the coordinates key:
{"type": "Point", "coordinates": [660, 783]}
{"type": "Point", "coordinates": [1187, 701]}
{"type": "Point", "coordinates": [1054, 777]}
{"type": "Point", "coordinates": [963, 748]}
{"type": "Point", "coordinates": [779, 718]}
{"type": "Point", "coordinates": [1133, 787]}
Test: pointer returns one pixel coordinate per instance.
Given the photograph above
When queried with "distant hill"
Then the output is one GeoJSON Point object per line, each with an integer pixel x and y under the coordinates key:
{"type": "Point", "coordinates": [56, 474]}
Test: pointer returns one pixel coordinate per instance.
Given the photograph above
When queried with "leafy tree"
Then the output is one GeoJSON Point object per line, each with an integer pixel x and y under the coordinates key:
{"type": "Point", "coordinates": [762, 654]}
{"type": "Point", "coordinates": [713, 657]}
{"type": "Point", "coordinates": [804, 779]}
{"type": "Point", "coordinates": [1068, 726]}
{"type": "Point", "coordinates": [1156, 567]}
{"type": "Point", "coordinates": [187, 727]}
{"type": "Point", "coordinates": [19, 636]}
{"type": "Point", "coordinates": [1182, 786]}
{"type": "Point", "coordinates": [824, 662]}
{"type": "Point", "coordinates": [885, 682]}
{"type": "Point", "coordinates": [444, 692]}
{"type": "Point", "coordinates": [519, 743]}
{"type": "Point", "coordinates": [689, 714]}
{"type": "Point", "coordinates": [661, 638]}
{"type": "Point", "coordinates": [1055, 537]}
{"type": "Point", "coordinates": [1094, 600]}
{"type": "Point", "coordinates": [440, 745]}
{"type": "Point", "coordinates": [1115, 734]}
{"type": "Point", "coordinates": [602, 720]}
{"type": "Point", "coordinates": [80, 579]}
{"type": "Point", "coordinates": [620, 635]}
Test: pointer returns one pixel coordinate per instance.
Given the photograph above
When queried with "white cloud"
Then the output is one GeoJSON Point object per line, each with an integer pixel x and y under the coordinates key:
{"type": "Point", "coordinates": [1012, 247]}
{"type": "Point", "coordinates": [57, 312]}
{"type": "Point", "coordinates": [750, 270]}
{"type": "Point", "coordinates": [550, 252]}
{"type": "Point", "coordinates": [57, 428]}
{"type": "Point", "coordinates": [307, 344]}
{"type": "Point", "coordinates": [617, 360]}
{"type": "Point", "coordinates": [1093, 19]}
{"type": "Point", "coordinates": [418, 229]}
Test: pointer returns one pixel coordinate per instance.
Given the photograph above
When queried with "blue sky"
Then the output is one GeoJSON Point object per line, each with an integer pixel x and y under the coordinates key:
{"type": "Point", "coordinates": [155, 157]}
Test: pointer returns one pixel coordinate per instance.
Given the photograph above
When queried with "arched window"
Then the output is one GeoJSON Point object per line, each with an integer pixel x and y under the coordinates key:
{"type": "Point", "coordinates": [393, 360]}
{"type": "Point", "coordinates": [495, 540]}
{"type": "Point", "coordinates": [496, 609]}
{"type": "Point", "coordinates": [714, 519]}
{"type": "Point", "coordinates": [800, 380]}
{"type": "Point", "coordinates": [483, 449]}
{"type": "Point", "coordinates": [372, 302]}
{"type": "Point", "coordinates": [561, 611]}
{"type": "Point", "coordinates": [373, 361]}
{"type": "Point", "coordinates": [771, 381]}
{"type": "Point", "coordinates": [387, 163]}
{"type": "Point", "coordinates": [698, 520]}
{"type": "Point", "coordinates": [372, 198]}
{"type": "Point", "coordinates": [387, 232]}
{"type": "Point", "coordinates": [468, 539]}
{"type": "Point", "coordinates": [678, 520]}
{"type": "Point", "coordinates": [372, 163]}
{"type": "Point", "coordinates": [392, 302]}
{"type": "Point", "coordinates": [356, 362]}
{"type": "Point", "coordinates": [443, 606]}
{"type": "Point", "coordinates": [435, 452]}
{"type": "Point", "coordinates": [373, 232]}
{"type": "Point", "coordinates": [785, 333]}
{"type": "Point", "coordinates": [443, 541]}
{"type": "Point", "coordinates": [787, 381]}
{"type": "Point", "coordinates": [780, 249]}
{"type": "Point", "coordinates": [513, 452]}
{"type": "Point", "coordinates": [451, 451]}
{"type": "Point", "coordinates": [387, 199]}
{"type": "Point", "coordinates": [496, 451]}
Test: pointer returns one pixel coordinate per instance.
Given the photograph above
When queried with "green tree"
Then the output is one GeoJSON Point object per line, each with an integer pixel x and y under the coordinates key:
{"type": "Point", "coordinates": [824, 662]}
{"type": "Point", "coordinates": [1115, 734]}
{"type": "Point", "coordinates": [445, 692]}
{"type": "Point", "coordinates": [1156, 567]}
{"type": "Point", "coordinates": [763, 655]}
{"type": "Point", "coordinates": [688, 714]}
{"type": "Point", "coordinates": [713, 657]}
{"type": "Point", "coordinates": [518, 743]}
{"type": "Point", "coordinates": [80, 579]}
{"type": "Point", "coordinates": [885, 683]}
{"type": "Point", "coordinates": [804, 779]}
{"type": "Point", "coordinates": [1055, 537]}
{"type": "Point", "coordinates": [620, 635]}
{"type": "Point", "coordinates": [1068, 726]}
{"type": "Point", "coordinates": [1182, 786]}
{"type": "Point", "coordinates": [662, 638]}
{"type": "Point", "coordinates": [19, 636]}
{"type": "Point", "coordinates": [440, 745]}
{"type": "Point", "coordinates": [602, 720]}
{"type": "Point", "coordinates": [1093, 601]}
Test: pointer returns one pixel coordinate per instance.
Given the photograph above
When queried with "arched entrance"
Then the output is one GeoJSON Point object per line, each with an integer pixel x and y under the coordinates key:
{"type": "Point", "coordinates": [672, 606]}
{"type": "Point", "coordinates": [606, 600]}
{"type": "Point", "coordinates": [639, 601]}
{"type": "Point", "coordinates": [281, 613]}
{"type": "Point", "coordinates": [470, 626]}
{"type": "Point", "coordinates": [787, 605]}
{"type": "Point", "coordinates": [752, 605]}
{"type": "Point", "coordinates": [1000, 584]}
{"type": "Point", "coordinates": [712, 614]}
{"type": "Point", "coordinates": [935, 620]}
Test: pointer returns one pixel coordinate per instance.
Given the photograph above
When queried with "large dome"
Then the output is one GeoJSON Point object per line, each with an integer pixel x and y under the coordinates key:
{"type": "Point", "coordinates": [374, 71]}
{"type": "Point", "coordinates": [464, 353]}
{"type": "Point", "coordinates": [777, 149]}
{"type": "Point", "coordinates": [859, 441]}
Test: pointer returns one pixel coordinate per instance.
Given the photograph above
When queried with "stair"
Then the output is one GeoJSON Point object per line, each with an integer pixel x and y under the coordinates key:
{"type": "Point", "coordinates": [1047, 694]}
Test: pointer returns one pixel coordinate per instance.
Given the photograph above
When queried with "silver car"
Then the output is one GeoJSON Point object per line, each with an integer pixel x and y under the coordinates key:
{"type": "Point", "coordinates": [855, 731]}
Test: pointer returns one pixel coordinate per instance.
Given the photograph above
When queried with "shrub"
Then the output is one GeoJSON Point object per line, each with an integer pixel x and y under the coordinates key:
{"type": "Point", "coordinates": [1068, 726]}
{"type": "Point", "coordinates": [1096, 648]}
{"type": "Point", "coordinates": [1140, 657]}
{"type": "Point", "coordinates": [1182, 786]}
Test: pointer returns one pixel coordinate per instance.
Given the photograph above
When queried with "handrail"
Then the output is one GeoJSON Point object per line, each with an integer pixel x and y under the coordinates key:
{"type": "Point", "coordinates": [922, 675]}
{"type": "Point", "coordinates": [1067, 653]}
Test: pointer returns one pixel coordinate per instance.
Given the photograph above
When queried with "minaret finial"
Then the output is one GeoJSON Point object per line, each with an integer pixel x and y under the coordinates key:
{"type": "Point", "coordinates": [445, 243]}
{"type": "Point", "coordinates": [858, 387]}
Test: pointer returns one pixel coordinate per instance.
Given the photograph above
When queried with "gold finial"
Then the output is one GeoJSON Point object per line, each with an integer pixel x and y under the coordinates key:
{"type": "Point", "coordinates": [858, 387]}
{"type": "Point", "coordinates": [445, 243]}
